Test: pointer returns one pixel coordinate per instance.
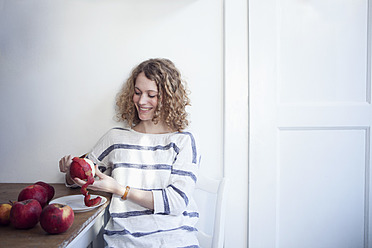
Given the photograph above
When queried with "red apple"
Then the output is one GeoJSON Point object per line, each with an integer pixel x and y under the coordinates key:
{"type": "Point", "coordinates": [5, 213]}
{"type": "Point", "coordinates": [25, 214]}
{"type": "Point", "coordinates": [36, 192]}
{"type": "Point", "coordinates": [84, 169]}
{"type": "Point", "coordinates": [49, 188]}
{"type": "Point", "coordinates": [56, 218]}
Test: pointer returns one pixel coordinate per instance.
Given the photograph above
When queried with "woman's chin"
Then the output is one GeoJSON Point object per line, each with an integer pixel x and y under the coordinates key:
{"type": "Point", "coordinates": [145, 118]}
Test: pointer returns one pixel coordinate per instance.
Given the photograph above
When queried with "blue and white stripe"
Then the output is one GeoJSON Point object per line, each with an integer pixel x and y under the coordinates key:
{"type": "Point", "coordinates": [124, 215]}
{"type": "Point", "coordinates": [138, 147]}
{"type": "Point", "coordinates": [143, 166]}
{"type": "Point", "coordinates": [141, 234]}
{"type": "Point", "coordinates": [165, 164]}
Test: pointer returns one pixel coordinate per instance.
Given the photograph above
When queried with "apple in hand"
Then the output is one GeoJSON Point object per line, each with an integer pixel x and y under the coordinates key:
{"type": "Point", "coordinates": [5, 213]}
{"type": "Point", "coordinates": [49, 188]}
{"type": "Point", "coordinates": [84, 169]}
{"type": "Point", "coordinates": [36, 192]}
{"type": "Point", "coordinates": [25, 214]}
{"type": "Point", "coordinates": [56, 218]}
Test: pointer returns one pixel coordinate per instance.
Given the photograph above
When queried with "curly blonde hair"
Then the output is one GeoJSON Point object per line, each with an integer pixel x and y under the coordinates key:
{"type": "Point", "coordinates": [172, 95]}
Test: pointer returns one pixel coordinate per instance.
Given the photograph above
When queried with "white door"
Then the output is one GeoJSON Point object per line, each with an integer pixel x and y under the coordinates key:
{"type": "Point", "coordinates": [310, 122]}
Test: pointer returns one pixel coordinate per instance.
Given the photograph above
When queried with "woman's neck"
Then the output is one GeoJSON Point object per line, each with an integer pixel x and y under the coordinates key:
{"type": "Point", "coordinates": [150, 127]}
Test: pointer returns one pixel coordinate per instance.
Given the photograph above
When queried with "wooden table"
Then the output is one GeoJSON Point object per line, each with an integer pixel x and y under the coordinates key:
{"type": "Point", "coordinates": [36, 236]}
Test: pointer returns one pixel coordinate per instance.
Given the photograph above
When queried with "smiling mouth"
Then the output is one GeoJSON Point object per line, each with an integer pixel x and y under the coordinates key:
{"type": "Point", "coordinates": [144, 109]}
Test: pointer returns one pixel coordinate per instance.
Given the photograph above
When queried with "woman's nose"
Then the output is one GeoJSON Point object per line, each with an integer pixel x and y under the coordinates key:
{"type": "Point", "coordinates": [142, 99]}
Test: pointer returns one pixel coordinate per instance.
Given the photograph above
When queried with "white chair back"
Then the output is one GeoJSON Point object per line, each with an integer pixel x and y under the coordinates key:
{"type": "Point", "coordinates": [210, 196]}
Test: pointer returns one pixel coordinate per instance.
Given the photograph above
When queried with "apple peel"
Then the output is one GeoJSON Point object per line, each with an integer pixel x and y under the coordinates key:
{"type": "Point", "coordinates": [84, 169]}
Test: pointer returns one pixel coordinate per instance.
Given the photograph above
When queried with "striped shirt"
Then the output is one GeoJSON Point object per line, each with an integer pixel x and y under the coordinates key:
{"type": "Point", "coordinates": [167, 165]}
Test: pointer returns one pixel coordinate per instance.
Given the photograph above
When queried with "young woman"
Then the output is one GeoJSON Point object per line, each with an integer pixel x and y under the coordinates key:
{"type": "Point", "coordinates": [151, 166]}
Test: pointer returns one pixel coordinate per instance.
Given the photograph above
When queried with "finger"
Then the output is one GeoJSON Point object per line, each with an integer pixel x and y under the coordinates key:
{"type": "Point", "coordinates": [67, 162]}
{"type": "Point", "coordinates": [78, 181]}
{"type": "Point", "coordinates": [62, 167]}
{"type": "Point", "coordinates": [64, 163]}
{"type": "Point", "coordinates": [98, 172]}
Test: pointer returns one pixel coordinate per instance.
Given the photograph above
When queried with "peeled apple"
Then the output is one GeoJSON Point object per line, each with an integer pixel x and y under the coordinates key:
{"type": "Point", "coordinates": [84, 169]}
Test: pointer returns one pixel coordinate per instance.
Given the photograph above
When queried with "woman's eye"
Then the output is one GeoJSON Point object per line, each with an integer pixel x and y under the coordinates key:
{"type": "Point", "coordinates": [152, 96]}
{"type": "Point", "coordinates": [137, 93]}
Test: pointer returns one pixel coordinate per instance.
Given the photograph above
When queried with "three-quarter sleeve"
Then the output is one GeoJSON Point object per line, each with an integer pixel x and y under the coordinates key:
{"type": "Point", "coordinates": [176, 196]}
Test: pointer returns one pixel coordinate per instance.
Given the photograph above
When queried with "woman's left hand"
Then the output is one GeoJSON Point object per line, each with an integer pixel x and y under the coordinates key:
{"type": "Point", "coordinates": [108, 184]}
{"type": "Point", "coordinates": [103, 183]}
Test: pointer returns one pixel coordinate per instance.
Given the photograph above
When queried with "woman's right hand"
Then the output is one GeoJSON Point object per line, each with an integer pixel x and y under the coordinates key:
{"type": "Point", "coordinates": [64, 167]}
{"type": "Point", "coordinates": [103, 183]}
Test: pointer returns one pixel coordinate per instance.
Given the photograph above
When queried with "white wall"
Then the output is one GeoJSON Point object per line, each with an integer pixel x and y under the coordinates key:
{"type": "Point", "coordinates": [63, 62]}
{"type": "Point", "coordinates": [236, 121]}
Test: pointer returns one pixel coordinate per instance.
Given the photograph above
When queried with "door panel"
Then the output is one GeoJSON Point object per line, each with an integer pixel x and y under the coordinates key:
{"type": "Point", "coordinates": [310, 120]}
{"type": "Point", "coordinates": [322, 47]}
{"type": "Point", "coordinates": [321, 187]}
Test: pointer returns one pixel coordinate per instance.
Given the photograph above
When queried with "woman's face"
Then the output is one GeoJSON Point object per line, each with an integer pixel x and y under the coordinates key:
{"type": "Point", "coordinates": [145, 97]}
